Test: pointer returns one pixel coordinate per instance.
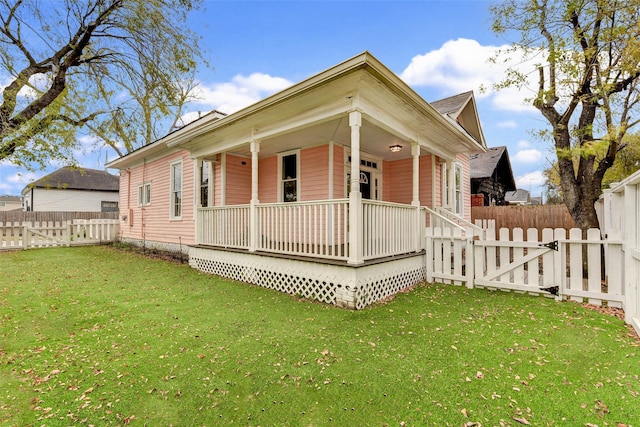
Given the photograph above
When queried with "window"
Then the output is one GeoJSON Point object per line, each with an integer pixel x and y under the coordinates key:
{"type": "Point", "coordinates": [204, 184]}
{"type": "Point", "coordinates": [445, 185]}
{"type": "Point", "coordinates": [106, 206]}
{"type": "Point", "coordinates": [144, 194]}
{"type": "Point", "coordinates": [457, 196]}
{"type": "Point", "coordinates": [176, 189]}
{"type": "Point", "coordinates": [289, 177]}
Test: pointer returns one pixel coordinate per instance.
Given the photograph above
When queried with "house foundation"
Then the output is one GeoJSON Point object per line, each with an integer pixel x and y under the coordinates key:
{"type": "Point", "coordinates": [337, 283]}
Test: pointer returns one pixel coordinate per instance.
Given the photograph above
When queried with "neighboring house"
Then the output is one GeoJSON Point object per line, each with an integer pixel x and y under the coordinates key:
{"type": "Point", "coordinates": [491, 175]}
{"type": "Point", "coordinates": [73, 189]}
{"type": "Point", "coordinates": [322, 190]}
{"type": "Point", "coordinates": [518, 197]}
{"type": "Point", "coordinates": [10, 203]}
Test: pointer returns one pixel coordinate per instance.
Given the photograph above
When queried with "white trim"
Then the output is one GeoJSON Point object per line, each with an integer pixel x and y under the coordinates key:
{"type": "Point", "coordinates": [458, 190]}
{"type": "Point", "coordinates": [173, 202]}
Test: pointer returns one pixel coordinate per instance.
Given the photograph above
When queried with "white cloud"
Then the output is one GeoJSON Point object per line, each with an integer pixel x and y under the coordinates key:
{"type": "Point", "coordinates": [507, 124]}
{"type": "Point", "coordinates": [463, 64]}
{"type": "Point", "coordinates": [13, 183]}
{"type": "Point", "coordinates": [528, 156]}
{"type": "Point", "coordinates": [523, 143]}
{"type": "Point", "coordinates": [240, 92]}
{"type": "Point", "coordinates": [531, 180]}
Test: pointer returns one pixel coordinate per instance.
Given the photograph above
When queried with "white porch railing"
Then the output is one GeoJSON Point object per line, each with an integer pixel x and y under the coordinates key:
{"type": "Point", "coordinates": [314, 229]}
{"type": "Point", "coordinates": [390, 229]}
{"type": "Point", "coordinates": [226, 226]}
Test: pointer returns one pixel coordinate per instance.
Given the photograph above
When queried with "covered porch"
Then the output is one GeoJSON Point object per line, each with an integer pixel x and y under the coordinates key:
{"type": "Point", "coordinates": [326, 188]}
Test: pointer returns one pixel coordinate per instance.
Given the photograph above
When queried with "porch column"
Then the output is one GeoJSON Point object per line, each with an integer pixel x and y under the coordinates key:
{"type": "Point", "coordinates": [355, 197]}
{"type": "Point", "coordinates": [197, 202]}
{"type": "Point", "coordinates": [254, 223]}
{"type": "Point", "coordinates": [419, 226]}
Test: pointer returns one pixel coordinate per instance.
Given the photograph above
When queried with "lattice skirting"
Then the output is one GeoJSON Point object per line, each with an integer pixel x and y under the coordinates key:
{"type": "Point", "coordinates": [346, 286]}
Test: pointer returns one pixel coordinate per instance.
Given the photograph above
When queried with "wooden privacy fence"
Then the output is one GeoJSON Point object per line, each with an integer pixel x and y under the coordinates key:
{"type": "Point", "coordinates": [24, 216]}
{"type": "Point", "coordinates": [525, 217]}
{"type": "Point", "coordinates": [38, 234]}
{"type": "Point", "coordinates": [566, 266]}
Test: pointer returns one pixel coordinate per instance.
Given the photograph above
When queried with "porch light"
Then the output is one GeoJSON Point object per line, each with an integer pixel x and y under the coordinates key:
{"type": "Point", "coordinates": [395, 148]}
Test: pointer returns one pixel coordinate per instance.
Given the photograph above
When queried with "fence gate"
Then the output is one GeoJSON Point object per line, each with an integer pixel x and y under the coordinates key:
{"type": "Point", "coordinates": [588, 270]}
{"type": "Point", "coordinates": [515, 263]}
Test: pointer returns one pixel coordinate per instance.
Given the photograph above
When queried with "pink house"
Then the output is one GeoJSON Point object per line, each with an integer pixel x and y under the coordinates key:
{"type": "Point", "coordinates": [322, 190]}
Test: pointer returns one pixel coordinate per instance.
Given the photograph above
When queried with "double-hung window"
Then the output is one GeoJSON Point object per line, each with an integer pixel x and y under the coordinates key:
{"type": "Point", "coordinates": [457, 196]}
{"type": "Point", "coordinates": [144, 194]}
{"type": "Point", "coordinates": [289, 177]}
{"type": "Point", "coordinates": [176, 190]}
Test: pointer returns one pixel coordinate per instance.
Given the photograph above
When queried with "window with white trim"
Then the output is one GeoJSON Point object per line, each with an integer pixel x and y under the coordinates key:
{"type": "Point", "coordinates": [289, 177]}
{"type": "Point", "coordinates": [144, 194]}
{"type": "Point", "coordinates": [458, 198]}
{"type": "Point", "coordinates": [176, 189]}
{"type": "Point", "coordinates": [205, 167]}
{"type": "Point", "coordinates": [445, 185]}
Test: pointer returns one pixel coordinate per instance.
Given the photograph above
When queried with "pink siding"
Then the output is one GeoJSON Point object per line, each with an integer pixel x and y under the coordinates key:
{"type": "Point", "coordinates": [426, 186]}
{"type": "Point", "coordinates": [339, 176]}
{"type": "Point", "coordinates": [398, 176]}
{"type": "Point", "coordinates": [438, 183]}
{"type": "Point", "coordinates": [268, 180]}
{"type": "Point", "coordinates": [238, 180]}
{"type": "Point", "coordinates": [217, 182]}
{"type": "Point", "coordinates": [153, 222]}
{"type": "Point", "coordinates": [314, 173]}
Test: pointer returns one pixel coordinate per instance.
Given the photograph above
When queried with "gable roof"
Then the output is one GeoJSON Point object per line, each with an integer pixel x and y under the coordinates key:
{"type": "Point", "coordinates": [462, 109]}
{"type": "Point", "coordinates": [493, 163]}
{"type": "Point", "coordinates": [69, 178]}
{"type": "Point", "coordinates": [452, 104]}
{"type": "Point", "coordinates": [314, 110]}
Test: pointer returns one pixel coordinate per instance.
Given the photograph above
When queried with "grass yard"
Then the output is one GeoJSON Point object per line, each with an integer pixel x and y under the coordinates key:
{"type": "Point", "coordinates": [98, 336]}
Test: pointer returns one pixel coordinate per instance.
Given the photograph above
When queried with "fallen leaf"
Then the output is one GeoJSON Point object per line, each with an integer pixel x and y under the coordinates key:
{"type": "Point", "coordinates": [522, 421]}
{"type": "Point", "coordinates": [464, 412]}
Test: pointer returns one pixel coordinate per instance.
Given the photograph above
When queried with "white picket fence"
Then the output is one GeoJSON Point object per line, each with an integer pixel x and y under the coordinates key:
{"type": "Point", "coordinates": [569, 267]}
{"type": "Point", "coordinates": [51, 234]}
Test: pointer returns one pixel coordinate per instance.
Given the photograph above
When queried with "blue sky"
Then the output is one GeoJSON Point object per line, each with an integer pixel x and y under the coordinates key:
{"type": "Point", "coordinates": [440, 48]}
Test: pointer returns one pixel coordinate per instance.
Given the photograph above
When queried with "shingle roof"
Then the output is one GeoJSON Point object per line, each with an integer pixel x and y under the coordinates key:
{"type": "Point", "coordinates": [10, 199]}
{"type": "Point", "coordinates": [79, 179]}
{"type": "Point", "coordinates": [483, 165]}
{"type": "Point", "coordinates": [519, 195]}
{"type": "Point", "coordinates": [452, 103]}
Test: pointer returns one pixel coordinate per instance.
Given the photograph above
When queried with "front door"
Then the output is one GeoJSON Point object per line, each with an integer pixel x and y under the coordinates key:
{"type": "Point", "coordinates": [365, 184]}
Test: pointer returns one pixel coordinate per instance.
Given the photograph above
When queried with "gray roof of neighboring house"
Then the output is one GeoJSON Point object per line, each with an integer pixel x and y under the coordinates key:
{"type": "Point", "coordinates": [451, 104]}
{"type": "Point", "coordinates": [70, 178]}
{"type": "Point", "coordinates": [483, 165]}
{"type": "Point", "coordinates": [17, 199]}
{"type": "Point", "coordinates": [519, 195]}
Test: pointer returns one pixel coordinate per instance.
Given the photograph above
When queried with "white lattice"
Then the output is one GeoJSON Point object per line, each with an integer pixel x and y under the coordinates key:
{"type": "Point", "coordinates": [353, 287]}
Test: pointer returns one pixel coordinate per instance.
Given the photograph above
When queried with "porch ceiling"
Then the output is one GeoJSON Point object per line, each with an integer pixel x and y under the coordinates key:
{"type": "Point", "coordinates": [374, 140]}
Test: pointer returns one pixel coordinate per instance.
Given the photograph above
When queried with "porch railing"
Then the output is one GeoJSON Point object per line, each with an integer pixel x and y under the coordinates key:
{"type": "Point", "coordinates": [316, 229]}
{"type": "Point", "coordinates": [225, 226]}
{"type": "Point", "coordinates": [390, 229]}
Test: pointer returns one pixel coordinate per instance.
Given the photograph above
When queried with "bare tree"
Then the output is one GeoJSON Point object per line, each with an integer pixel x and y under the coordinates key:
{"type": "Point", "coordinates": [587, 84]}
{"type": "Point", "coordinates": [99, 65]}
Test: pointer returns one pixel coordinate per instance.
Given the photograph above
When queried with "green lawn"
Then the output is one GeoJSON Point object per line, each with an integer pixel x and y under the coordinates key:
{"type": "Point", "coordinates": [98, 336]}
